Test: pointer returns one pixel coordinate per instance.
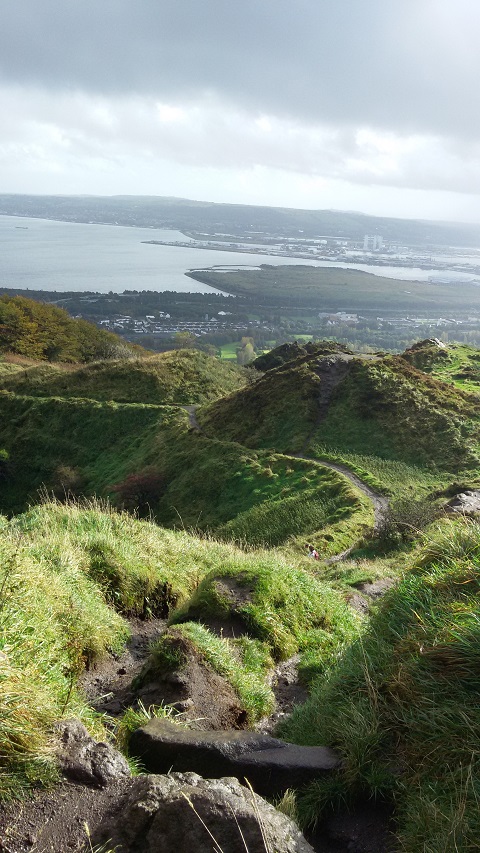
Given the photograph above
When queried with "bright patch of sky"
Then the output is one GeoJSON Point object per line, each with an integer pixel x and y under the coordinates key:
{"type": "Point", "coordinates": [369, 105]}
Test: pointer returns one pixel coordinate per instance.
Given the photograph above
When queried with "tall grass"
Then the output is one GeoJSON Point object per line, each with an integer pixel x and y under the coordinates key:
{"type": "Point", "coordinates": [401, 706]}
{"type": "Point", "coordinates": [276, 602]}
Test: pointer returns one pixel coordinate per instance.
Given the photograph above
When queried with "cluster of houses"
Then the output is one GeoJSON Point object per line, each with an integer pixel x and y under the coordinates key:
{"type": "Point", "coordinates": [165, 326]}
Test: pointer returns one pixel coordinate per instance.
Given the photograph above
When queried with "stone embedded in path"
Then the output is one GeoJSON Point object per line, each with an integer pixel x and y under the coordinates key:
{"type": "Point", "coordinates": [270, 765]}
{"type": "Point", "coordinates": [181, 812]}
{"type": "Point", "coordinates": [82, 759]}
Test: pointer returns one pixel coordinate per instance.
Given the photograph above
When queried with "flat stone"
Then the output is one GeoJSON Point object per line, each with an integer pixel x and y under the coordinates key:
{"type": "Point", "coordinates": [269, 764]}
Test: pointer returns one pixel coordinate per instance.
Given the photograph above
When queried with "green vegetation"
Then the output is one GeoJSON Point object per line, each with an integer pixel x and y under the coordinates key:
{"type": "Point", "coordinates": [39, 331]}
{"type": "Point", "coordinates": [388, 409]}
{"type": "Point", "coordinates": [67, 573]}
{"type": "Point", "coordinates": [334, 289]}
{"type": "Point", "coordinates": [401, 705]}
{"type": "Point", "coordinates": [244, 662]}
{"type": "Point", "coordinates": [393, 424]}
{"type": "Point", "coordinates": [71, 445]}
{"type": "Point", "coordinates": [454, 363]}
{"type": "Point", "coordinates": [256, 498]}
{"type": "Point", "coordinates": [395, 692]}
{"type": "Point", "coordinates": [178, 377]}
{"type": "Point", "coordinates": [283, 606]}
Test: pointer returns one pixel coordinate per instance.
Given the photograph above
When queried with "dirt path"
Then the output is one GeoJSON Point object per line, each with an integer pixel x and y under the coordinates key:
{"type": "Point", "coordinates": [107, 686]}
{"type": "Point", "coordinates": [379, 501]}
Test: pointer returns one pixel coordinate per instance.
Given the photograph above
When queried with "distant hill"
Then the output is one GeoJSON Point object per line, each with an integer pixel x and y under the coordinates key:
{"type": "Point", "coordinates": [178, 377]}
{"type": "Point", "coordinates": [45, 332]}
{"type": "Point", "coordinates": [238, 219]}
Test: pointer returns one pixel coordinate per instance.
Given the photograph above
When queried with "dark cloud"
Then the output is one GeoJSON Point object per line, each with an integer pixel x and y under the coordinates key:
{"type": "Point", "coordinates": [405, 65]}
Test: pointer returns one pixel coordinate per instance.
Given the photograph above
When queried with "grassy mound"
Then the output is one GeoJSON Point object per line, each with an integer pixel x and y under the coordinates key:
{"type": "Point", "coordinates": [380, 410]}
{"type": "Point", "coordinates": [278, 411]}
{"type": "Point", "coordinates": [270, 600]}
{"type": "Point", "coordinates": [177, 377]}
{"type": "Point", "coordinates": [390, 409]}
{"type": "Point", "coordinates": [290, 352]}
{"type": "Point", "coordinates": [243, 662]}
{"type": "Point", "coordinates": [455, 363]}
{"type": "Point", "coordinates": [256, 498]}
{"type": "Point", "coordinates": [401, 706]}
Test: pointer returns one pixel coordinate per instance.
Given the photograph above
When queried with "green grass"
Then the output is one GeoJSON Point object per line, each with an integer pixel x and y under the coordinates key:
{"type": "Point", "coordinates": [67, 575]}
{"type": "Point", "coordinates": [276, 603]}
{"type": "Point", "coordinates": [382, 407]}
{"type": "Point", "coordinates": [253, 497]}
{"type": "Point", "coordinates": [454, 363]}
{"type": "Point", "coordinates": [141, 569]}
{"type": "Point", "coordinates": [101, 441]}
{"type": "Point", "coordinates": [243, 662]}
{"type": "Point", "coordinates": [53, 620]}
{"type": "Point", "coordinates": [229, 351]}
{"type": "Point", "coordinates": [401, 705]}
{"type": "Point", "coordinates": [402, 415]}
{"type": "Point", "coordinates": [178, 377]}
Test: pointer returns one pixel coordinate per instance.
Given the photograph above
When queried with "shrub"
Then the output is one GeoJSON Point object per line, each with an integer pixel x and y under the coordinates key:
{"type": "Point", "coordinates": [140, 491]}
{"type": "Point", "coordinates": [404, 519]}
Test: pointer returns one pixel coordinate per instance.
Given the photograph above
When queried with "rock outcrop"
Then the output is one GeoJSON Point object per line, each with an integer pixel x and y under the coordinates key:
{"type": "Point", "coordinates": [466, 503]}
{"type": "Point", "coordinates": [183, 812]}
{"type": "Point", "coordinates": [82, 759]}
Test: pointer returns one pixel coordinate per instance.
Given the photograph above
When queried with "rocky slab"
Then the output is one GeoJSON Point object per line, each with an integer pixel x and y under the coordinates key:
{"type": "Point", "coordinates": [183, 812]}
{"type": "Point", "coordinates": [270, 765]}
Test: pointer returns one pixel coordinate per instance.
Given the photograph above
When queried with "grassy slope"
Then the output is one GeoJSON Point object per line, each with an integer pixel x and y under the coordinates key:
{"type": "Point", "coordinates": [259, 498]}
{"type": "Point", "coordinates": [102, 441]}
{"type": "Point", "coordinates": [278, 411]}
{"type": "Point", "coordinates": [180, 377]}
{"type": "Point", "coordinates": [401, 705]}
{"type": "Point", "coordinates": [392, 422]}
{"type": "Point", "coordinates": [454, 363]}
{"type": "Point", "coordinates": [66, 570]}
{"type": "Point", "coordinates": [399, 413]}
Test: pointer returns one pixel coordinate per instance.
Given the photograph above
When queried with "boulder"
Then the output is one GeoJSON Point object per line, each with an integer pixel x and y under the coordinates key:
{"type": "Point", "coordinates": [82, 759]}
{"type": "Point", "coordinates": [270, 765]}
{"type": "Point", "coordinates": [466, 503]}
{"type": "Point", "coordinates": [183, 812]}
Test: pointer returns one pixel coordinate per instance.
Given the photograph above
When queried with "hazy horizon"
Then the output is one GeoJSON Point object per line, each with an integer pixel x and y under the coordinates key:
{"type": "Point", "coordinates": [366, 106]}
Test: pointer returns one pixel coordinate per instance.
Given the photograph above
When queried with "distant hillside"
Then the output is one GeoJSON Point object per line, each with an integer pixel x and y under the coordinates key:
{"type": "Point", "coordinates": [47, 333]}
{"type": "Point", "coordinates": [340, 404]}
{"type": "Point", "coordinates": [239, 219]}
{"type": "Point", "coordinates": [178, 377]}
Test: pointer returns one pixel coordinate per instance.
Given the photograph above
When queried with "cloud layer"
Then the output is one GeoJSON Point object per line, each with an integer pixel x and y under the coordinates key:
{"type": "Point", "coordinates": [368, 92]}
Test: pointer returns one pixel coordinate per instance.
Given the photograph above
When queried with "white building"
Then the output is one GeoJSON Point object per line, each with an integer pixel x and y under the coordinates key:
{"type": "Point", "coordinates": [372, 243]}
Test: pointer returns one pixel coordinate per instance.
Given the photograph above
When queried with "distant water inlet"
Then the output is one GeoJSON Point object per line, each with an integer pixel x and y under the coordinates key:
{"type": "Point", "coordinates": [42, 254]}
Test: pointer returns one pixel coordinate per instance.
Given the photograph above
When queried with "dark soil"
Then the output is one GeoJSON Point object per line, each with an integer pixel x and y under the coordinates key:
{"type": "Point", "coordinates": [288, 692]}
{"type": "Point", "coordinates": [107, 686]}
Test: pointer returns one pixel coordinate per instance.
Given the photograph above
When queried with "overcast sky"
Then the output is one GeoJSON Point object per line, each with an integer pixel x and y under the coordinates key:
{"type": "Point", "coordinates": [370, 105]}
